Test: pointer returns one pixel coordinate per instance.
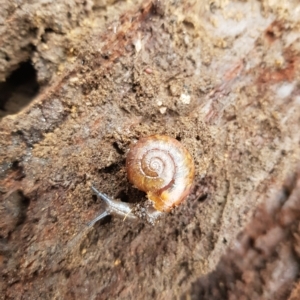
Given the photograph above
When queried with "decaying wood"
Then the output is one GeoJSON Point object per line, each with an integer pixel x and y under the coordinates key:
{"type": "Point", "coordinates": [223, 78]}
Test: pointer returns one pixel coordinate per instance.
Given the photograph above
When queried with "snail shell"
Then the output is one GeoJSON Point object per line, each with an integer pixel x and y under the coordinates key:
{"type": "Point", "coordinates": [160, 166]}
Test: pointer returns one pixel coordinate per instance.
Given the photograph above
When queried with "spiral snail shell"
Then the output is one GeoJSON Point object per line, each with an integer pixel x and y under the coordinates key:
{"type": "Point", "coordinates": [160, 166]}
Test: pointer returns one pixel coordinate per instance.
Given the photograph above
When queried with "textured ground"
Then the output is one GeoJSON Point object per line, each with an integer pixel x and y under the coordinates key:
{"type": "Point", "coordinates": [222, 77]}
{"type": "Point", "coordinates": [263, 262]}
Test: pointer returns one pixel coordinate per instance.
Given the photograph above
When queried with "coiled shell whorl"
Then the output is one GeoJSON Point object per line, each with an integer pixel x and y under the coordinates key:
{"type": "Point", "coordinates": [160, 166]}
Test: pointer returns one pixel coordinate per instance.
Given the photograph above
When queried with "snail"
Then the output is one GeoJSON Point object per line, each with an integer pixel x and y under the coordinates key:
{"type": "Point", "coordinates": [161, 167]}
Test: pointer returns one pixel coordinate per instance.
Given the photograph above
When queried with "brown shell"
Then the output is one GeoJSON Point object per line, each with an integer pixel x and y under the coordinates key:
{"type": "Point", "coordinates": [160, 166]}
